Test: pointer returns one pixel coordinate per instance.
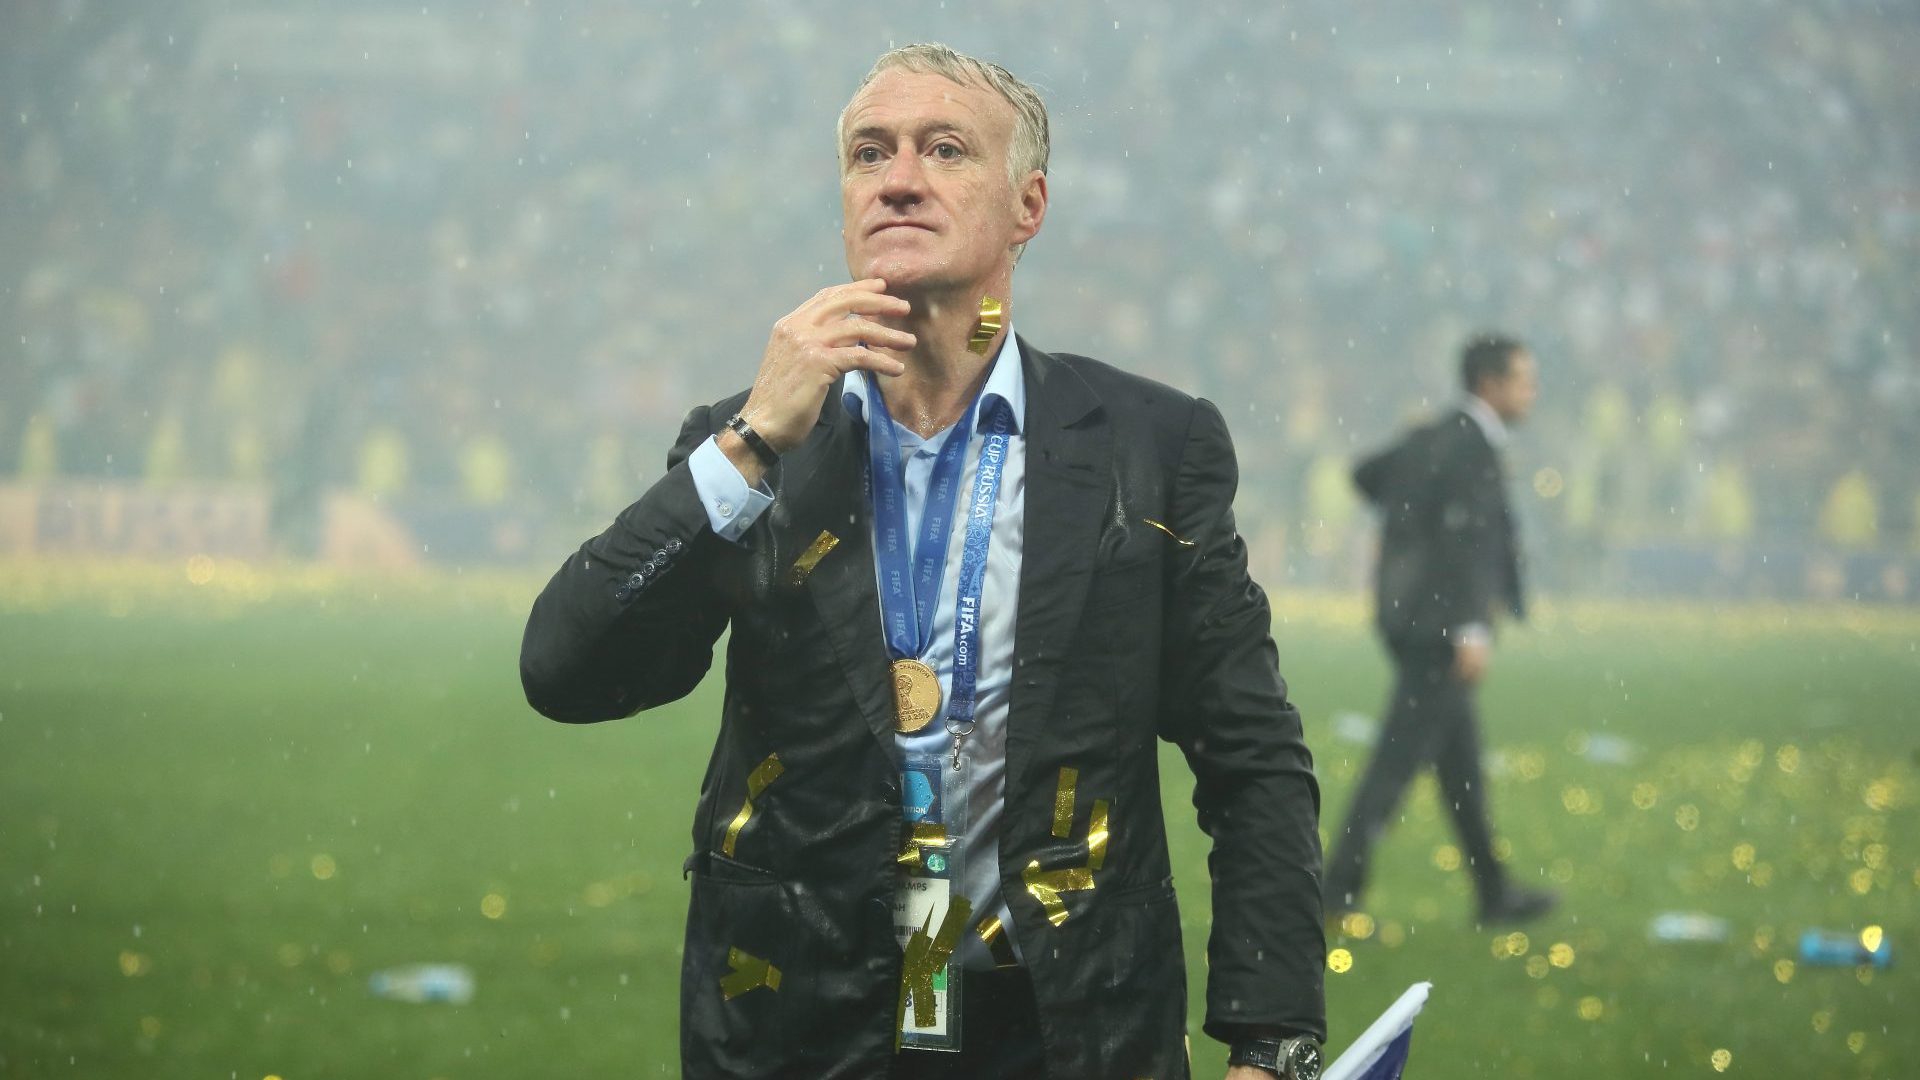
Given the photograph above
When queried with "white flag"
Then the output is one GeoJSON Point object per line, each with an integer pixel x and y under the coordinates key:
{"type": "Point", "coordinates": [1380, 1053]}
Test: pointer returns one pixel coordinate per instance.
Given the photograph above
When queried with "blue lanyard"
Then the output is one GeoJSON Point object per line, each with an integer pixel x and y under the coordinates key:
{"type": "Point", "coordinates": [973, 571]}
{"type": "Point", "coordinates": [903, 593]}
{"type": "Point", "coordinates": [907, 597]}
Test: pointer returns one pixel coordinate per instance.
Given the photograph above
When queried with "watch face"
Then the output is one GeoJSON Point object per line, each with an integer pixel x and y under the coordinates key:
{"type": "Point", "coordinates": [1304, 1062]}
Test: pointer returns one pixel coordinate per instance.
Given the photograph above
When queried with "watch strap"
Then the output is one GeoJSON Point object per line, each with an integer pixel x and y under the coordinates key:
{"type": "Point", "coordinates": [738, 425]}
{"type": "Point", "coordinates": [1263, 1053]}
{"type": "Point", "coordinates": [1294, 1058]}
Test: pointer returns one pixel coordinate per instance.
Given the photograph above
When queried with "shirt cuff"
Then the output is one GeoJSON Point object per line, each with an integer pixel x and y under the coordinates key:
{"type": "Point", "coordinates": [1473, 633]}
{"type": "Point", "coordinates": [732, 507]}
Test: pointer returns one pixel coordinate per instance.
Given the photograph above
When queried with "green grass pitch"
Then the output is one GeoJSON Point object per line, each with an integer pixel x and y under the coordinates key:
{"type": "Point", "coordinates": [224, 805]}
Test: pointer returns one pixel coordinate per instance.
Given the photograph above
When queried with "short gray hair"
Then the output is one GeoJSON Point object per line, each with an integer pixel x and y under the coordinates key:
{"type": "Point", "coordinates": [1031, 142]}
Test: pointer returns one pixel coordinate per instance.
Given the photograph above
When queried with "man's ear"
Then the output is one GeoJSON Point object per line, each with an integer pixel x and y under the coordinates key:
{"type": "Point", "coordinates": [1033, 206]}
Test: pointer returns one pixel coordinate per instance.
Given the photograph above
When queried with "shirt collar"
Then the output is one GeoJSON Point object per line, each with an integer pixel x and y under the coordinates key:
{"type": "Point", "coordinates": [1494, 428]}
{"type": "Point", "coordinates": [1006, 382]}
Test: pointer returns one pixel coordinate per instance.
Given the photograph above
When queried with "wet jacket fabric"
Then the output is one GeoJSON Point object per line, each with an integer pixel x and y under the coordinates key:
{"type": "Point", "coordinates": [1136, 623]}
{"type": "Point", "coordinates": [1448, 554]}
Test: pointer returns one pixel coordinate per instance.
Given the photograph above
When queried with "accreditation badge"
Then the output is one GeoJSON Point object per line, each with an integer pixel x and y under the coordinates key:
{"type": "Point", "coordinates": [929, 910]}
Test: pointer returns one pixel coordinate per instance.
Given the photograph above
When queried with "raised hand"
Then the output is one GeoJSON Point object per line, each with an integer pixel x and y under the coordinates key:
{"type": "Point", "coordinates": [808, 352]}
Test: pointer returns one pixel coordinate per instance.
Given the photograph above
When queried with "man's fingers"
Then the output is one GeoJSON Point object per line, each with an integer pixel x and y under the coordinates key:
{"type": "Point", "coordinates": [869, 333]}
{"type": "Point", "coordinates": [854, 357]}
{"type": "Point", "coordinates": [862, 298]}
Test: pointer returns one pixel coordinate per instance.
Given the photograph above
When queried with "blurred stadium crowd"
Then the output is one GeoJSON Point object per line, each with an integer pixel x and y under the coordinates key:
{"type": "Point", "coordinates": [470, 264]}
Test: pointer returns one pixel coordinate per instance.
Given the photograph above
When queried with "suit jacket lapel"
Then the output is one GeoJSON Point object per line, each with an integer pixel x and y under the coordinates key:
{"type": "Point", "coordinates": [825, 489]}
{"type": "Point", "coordinates": [1069, 467]}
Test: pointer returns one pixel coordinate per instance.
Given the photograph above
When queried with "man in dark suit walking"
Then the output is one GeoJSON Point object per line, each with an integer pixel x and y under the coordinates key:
{"type": "Point", "coordinates": [1449, 562]}
{"type": "Point", "coordinates": [970, 585]}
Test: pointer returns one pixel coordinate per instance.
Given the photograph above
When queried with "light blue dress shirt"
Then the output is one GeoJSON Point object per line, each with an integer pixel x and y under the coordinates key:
{"type": "Point", "coordinates": [732, 507]}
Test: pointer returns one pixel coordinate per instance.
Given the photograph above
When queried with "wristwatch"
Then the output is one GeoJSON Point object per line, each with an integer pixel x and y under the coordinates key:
{"type": "Point", "coordinates": [761, 449]}
{"type": "Point", "coordinates": [1297, 1058]}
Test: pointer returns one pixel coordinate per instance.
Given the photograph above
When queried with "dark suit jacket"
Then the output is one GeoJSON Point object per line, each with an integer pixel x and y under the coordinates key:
{"type": "Point", "coordinates": [1122, 635]}
{"type": "Point", "coordinates": [1448, 556]}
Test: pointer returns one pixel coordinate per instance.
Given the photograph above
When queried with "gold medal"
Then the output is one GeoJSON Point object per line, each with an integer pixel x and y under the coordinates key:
{"type": "Point", "coordinates": [916, 695]}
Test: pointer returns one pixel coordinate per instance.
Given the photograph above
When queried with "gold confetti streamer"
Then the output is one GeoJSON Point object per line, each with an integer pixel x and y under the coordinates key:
{"type": "Point", "coordinates": [1063, 802]}
{"type": "Point", "coordinates": [923, 836]}
{"type": "Point", "coordinates": [924, 957]}
{"type": "Point", "coordinates": [810, 558]}
{"type": "Point", "coordinates": [990, 929]}
{"type": "Point", "coordinates": [992, 318]}
{"type": "Point", "coordinates": [1047, 885]}
{"type": "Point", "coordinates": [767, 772]}
{"type": "Point", "coordinates": [1097, 836]}
{"type": "Point", "coordinates": [749, 973]}
{"type": "Point", "coordinates": [998, 942]}
{"type": "Point", "coordinates": [1177, 538]}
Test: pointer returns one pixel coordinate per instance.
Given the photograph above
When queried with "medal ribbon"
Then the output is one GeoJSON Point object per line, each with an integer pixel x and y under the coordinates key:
{"type": "Point", "coordinates": [901, 593]}
{"type": "Point", "coordinates": [973, 570]}
{"type": "Point", "coordinates": [907, 596]}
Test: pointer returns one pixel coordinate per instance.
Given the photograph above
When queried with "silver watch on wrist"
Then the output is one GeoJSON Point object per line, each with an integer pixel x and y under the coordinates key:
{"type": "Point", "coordinates": [1297, 1058]}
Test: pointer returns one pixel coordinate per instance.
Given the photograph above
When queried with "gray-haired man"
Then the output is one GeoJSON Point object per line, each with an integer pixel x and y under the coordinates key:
{"type": "Point", "coordinates": [969, 583]}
